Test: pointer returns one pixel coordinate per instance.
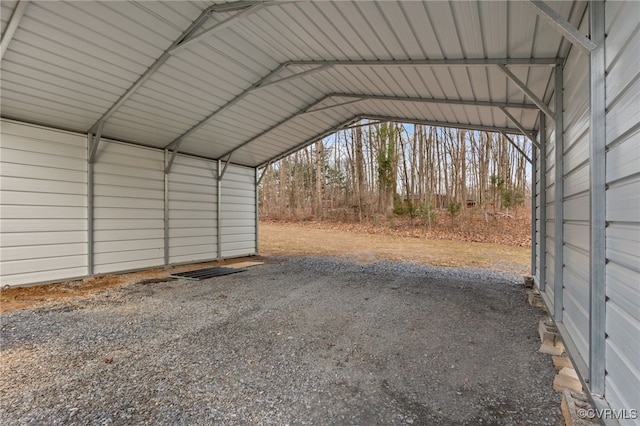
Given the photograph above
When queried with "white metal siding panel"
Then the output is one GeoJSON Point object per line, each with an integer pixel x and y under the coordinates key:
{"type": "Point", "coordinates": [551, 193]}
{"type": "Point", "coordinates": [193, 210]}
{"type": "Point", "coordinates": [576, 198]}
{"type": "Point", "coordinates": [43, 204]}
{"type": "Point", "coordinates": [128, 208]}
{"type": "Point", "coordinates": [238, 212]}
{"type": "Point", "coordinates": [622, 383]}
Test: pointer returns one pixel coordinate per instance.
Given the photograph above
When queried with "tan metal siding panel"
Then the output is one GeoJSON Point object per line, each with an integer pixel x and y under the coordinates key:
{"type": "Point", "coordinates": [238, 212]}
{"type": "Point", "coordinates": [193, 213]}
{"type": "Point", "coordinates": [43, 201]}
{"type": "Point", "coordinates": [129, 198]}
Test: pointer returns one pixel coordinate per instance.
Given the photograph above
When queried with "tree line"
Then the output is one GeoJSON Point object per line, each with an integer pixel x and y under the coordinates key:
{"type": "Point", "coordinates": [376, 168]}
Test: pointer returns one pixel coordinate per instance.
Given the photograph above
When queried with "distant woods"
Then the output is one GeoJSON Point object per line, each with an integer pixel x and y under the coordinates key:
{"type": "Point", "coordinates": [388, 169]}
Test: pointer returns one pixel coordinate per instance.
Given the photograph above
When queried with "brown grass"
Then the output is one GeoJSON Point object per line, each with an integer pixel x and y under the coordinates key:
{"type": "Point", "coordinates": [318, 239]}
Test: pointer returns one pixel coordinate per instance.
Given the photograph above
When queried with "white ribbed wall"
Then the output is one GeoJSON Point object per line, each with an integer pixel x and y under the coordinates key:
{"type": "Point", "coordinates": [193, 216]}
{"type": "Point", "coordinates": [44, 232]}
{"type": "Point", "coordinates": [238, 212]}
{"type": "Point", "coordinates": [43, 204]}
{"type": "Point", "coordinates": [128, 208]}
{"type": "Point", "coordinates": [623, 205]}
{"type": "Point", "coordinates": [576, 198]}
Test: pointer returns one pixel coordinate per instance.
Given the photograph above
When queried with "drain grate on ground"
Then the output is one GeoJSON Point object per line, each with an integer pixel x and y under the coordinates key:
{"type": "Point", "coordinates": [201, 274]}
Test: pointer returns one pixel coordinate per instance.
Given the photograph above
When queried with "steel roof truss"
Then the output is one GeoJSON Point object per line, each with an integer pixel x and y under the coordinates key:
{"type": "Point", "coordinates": [434, 101]}
{"type": "Point", "coordinates": [451, 125]}
{"type": "Point", "coordinates": [12, 25]}
{"type": "Point", "coordinates": [293, 76]}
{"type": "Point", "coordinates": [524, 131]}
{"type": "Point", "coordinates": [360, 98]}
{"type": "Point", "coordinates": [264, 172]}
{"type": "Point", "coordinates": [323, 65]}
{"type": "Point", "coordinates": [563, 26]}
{"type": "Point", "coordinates": [526, 157]}
{"type": "Point", "coordinates": [94, 140]}
{"type": "Point", "coordinates": [308, 110]}
{"type": "Point", "coordinates": [523, 87]}
{"type": "Point", "coordinates": [528, 62]}
{"type": "Point", "coordinates": [185, 39]}
{"type": "Point", "coordinates": [192, 39]}
{"type": "Point", "coordinates": [227, 105]}
{"type": "Point", "coordinates": [224, 169]}
{"type": "Point", "coordinates": [336, 128]}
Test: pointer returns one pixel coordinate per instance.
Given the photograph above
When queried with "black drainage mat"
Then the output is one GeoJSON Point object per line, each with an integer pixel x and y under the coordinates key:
{"type": "Point", "coordinates": [202, 274]}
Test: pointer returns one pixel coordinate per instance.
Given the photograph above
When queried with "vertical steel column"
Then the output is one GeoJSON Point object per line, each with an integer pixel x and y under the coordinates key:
{"type": "Point", "coordinates": [542, 154]}
{"type": "Point", "coordinates": [89, 207]}
{"type": "Point", "coordinates": [166, 208]}
{"type": "Point", "coordinates": [558, 268]}
{"type": "Point", "coordinates": [597, 181]}
{"type": "Point", "coordinates": [257, 200]}
{"type": "Point", "coordinates": [218, 204]}
{"type": "Point", "coordinates": [534, 200]}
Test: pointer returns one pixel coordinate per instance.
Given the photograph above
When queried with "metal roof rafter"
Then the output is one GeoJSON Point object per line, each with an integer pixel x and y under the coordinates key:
{"type": "Point", "coordinates": [224, 169]}
{"type": "Point", "coordinates": [434, 101]}
{"type": "Point", "coordinates": [175, 144]}
{"type": "Point", "coordinates": [524, 131]}
{"type": "Point", "coordinates": [247, 10]}
{"type": "Point", "coordinates": [313, 139]}
{"type": "Point", "coordinates": [308, 110]}
{"type": "Point", "coordinates": [12, 25]}
{"type": "Point", "coordinates": [293, 76]}
{"type": "Point", "coordinates": [359, 98]}
{"type": "Point", "coordinates": [523, 87]}
{"type": "Point", "coordinates": [563, 26]}
{"type": "Point", "coordinates": [348, 123]}
{"type": "Point", "coordinates": [470, 62]}
{"type": "Point", "coordinates": [324, 65]}
{"type": "Point", "coordinates": [442, 124]}
{"type": "Point", "coordinates": [187, 37]}
{"type": "Point", "coordinates": [516, 146]}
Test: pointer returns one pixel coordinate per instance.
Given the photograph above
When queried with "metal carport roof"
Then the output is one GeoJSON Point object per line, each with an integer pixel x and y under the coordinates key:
{"type": "Point", "coordinates": [255, 80]}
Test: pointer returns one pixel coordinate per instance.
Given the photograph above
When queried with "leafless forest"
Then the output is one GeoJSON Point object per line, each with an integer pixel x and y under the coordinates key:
{"type": "Point", "coordinates": [415, 179]}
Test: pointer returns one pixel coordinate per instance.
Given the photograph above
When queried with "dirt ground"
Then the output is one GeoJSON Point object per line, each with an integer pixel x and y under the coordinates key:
{"type": "Point", "coordinates": [309, 239]}
{"type": "Point", "coordinates": [12, 299]}
{"type": "Point", "coordinates": [288, 239]}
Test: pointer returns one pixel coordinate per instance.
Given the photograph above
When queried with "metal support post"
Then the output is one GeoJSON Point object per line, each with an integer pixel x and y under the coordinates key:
{"type": "Point", "coordinates": [534, 198]}
{"type": "Point", "coordinates": [257, 221]}
{"type": "Point", "coordinates": [89, 209]}
{"type": "Point", "coordinates": [558, 268]}
{"type": "Point", "coordinates": [542, 155]}
{"type": "Point", "coordinates": [218, 208]}
{"type": "Point", "coordinates": [597, 151]}
{"type": "Point", "coordinates": [166, 209]}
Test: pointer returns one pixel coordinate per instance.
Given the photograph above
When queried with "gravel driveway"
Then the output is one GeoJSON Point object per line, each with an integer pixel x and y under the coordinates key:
{"type": "Point", "coordinates": [294, 341]}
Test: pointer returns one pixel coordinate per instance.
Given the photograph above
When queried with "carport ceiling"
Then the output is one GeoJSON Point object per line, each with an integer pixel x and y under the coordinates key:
{"type": "Point", "coordinates": [260, 79]}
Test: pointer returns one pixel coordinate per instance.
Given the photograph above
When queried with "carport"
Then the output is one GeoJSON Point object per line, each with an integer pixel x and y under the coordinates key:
{"type": "Point", "coordinates": [133, 134]}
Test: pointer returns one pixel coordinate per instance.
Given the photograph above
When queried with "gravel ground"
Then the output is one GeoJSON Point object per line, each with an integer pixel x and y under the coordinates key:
{"type": "Point", "coordinates": [294, 341]}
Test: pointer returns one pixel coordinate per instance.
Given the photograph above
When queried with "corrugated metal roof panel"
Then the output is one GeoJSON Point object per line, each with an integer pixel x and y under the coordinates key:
{"type": "Point", "coordinates": [69, 62]}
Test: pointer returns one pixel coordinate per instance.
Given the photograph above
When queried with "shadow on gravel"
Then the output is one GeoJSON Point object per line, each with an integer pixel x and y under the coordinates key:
{"type": "Point", "coordinates": [294, 341]}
